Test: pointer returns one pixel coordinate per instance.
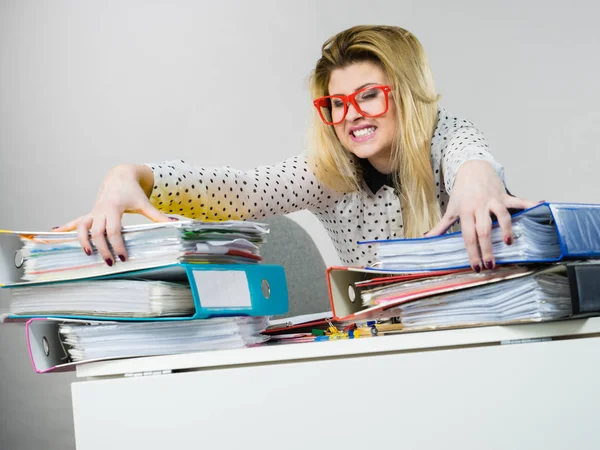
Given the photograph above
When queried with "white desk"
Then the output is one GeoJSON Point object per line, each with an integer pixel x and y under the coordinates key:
{"type": "Point", "coordinates": [443, 389]}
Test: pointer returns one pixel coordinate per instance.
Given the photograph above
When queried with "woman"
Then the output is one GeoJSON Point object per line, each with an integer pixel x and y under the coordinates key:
{"type": "Point", "coordinates": [386, 162]}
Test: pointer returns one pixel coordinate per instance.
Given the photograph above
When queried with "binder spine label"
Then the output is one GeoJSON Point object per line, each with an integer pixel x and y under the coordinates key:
{"type": "Point", "coordinates": [222, 289]}
{"type": "Point", "coordinates": [578, 229]}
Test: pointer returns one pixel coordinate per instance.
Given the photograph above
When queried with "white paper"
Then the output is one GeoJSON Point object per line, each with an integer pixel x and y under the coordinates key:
{"type": "Point", "coordinates": [535, 238]}
{"type": "Point", "coordinates": [223, 288]}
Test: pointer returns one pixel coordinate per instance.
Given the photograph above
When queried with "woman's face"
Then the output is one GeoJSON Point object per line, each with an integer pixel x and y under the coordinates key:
{"type": "Point", "coordinates": [369, 138]}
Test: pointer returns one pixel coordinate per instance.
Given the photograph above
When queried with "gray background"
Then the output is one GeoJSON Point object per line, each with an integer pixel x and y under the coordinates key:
{"type": "Point", "coordinates": [87, 85]}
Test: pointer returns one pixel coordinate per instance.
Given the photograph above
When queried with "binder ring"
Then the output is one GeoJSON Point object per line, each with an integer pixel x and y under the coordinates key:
{"type": "Point", "coordinates": [46, 346]}
{"type": "Point", "coordinates": [19, 259]}
{"type": "Point", "coordinates": [351, 293]}
{"type": "Point", "coordinates": [266, 288]}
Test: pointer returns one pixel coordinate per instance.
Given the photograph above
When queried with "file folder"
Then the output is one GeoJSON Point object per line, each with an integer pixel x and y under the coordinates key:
{"type": "Point", "coordinates": [346, 305]}
{"type": "Point", "coordinates": [56, 256]}
{"type": "Point", "coordinates": [345, 299]}
{"type": "Point", "coordinates": [571, 232]}
{"type": "Point", "coordinates": [54, 350]}
{"type": "Point", "coordinates": [46, 352]}
{"type": "Point", "coordinates": [218, 290]}
{"type": "Point", "coordinates": [585, 288]}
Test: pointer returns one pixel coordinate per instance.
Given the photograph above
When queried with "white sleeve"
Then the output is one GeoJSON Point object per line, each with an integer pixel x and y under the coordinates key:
{"type": "Point", "coordinates": [224, 193]}
{"type": "Point", "coordinates": [456, 141]}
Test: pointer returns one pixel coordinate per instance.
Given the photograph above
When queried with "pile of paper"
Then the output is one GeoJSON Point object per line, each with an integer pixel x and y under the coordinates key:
{"type": "Point", "coordinates": [116, 298]}
{"type": "Point", "coordinates": [185, 286]}
{"type": "Point", "coordinates": [386, 290]}
{"type": "Point", "coordinates": [534, 239]}
{"type": "Point", "coordinates": [119, 340]}
{"type": "Point", "coordinates": [540, 297]}
{"type": "Point", "coordinates": [428, 282]}
{"type": "Point", "coordinates": [56, 256]}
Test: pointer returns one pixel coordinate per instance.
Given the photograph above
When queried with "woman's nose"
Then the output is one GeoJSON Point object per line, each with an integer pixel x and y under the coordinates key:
{"type": "Point", "coordinates": [352, 113]}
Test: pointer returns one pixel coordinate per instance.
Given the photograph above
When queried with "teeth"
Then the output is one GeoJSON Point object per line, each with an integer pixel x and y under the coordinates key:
{"type": "Point", "coordinates": [363, 132]}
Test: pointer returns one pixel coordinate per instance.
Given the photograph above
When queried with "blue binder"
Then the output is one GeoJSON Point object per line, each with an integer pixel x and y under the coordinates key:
{"type": "Point", "coordinates": [218, 290]}
{"type": "Point", "coordinates": [577, 227]}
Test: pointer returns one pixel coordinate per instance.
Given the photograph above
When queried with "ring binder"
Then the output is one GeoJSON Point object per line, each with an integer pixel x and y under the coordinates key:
{"type": "Point", "coordinates": [583, 280]}
{"type": "Point", "coordinates": [545, 233]}
{"type": "Point", "coordinates": [209, 302]}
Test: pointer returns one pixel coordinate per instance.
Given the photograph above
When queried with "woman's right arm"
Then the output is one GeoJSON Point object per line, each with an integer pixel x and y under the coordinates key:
{"type": "Point", "coordinates": [176, 187]}
{"type": "Point", "coordinates": [224, 193]}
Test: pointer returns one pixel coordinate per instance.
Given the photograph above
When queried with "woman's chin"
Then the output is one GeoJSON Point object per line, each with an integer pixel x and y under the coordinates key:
{"type": "Point", "coordinates": [364, 152]}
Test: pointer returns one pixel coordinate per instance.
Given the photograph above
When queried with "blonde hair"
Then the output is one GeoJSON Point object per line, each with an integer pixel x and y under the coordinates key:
{"type": "Point", "coordinates": [403, 60]}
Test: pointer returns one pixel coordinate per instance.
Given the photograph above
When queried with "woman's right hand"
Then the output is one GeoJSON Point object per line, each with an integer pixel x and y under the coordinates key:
{"type": "Point", "coordinates": [125, 189]}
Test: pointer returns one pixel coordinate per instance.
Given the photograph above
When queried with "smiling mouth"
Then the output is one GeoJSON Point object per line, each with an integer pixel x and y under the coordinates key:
{"type": "Point", "coordinates": [363, 132]}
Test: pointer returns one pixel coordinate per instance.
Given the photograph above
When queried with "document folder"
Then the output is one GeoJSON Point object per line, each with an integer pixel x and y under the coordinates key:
{"type": "Point", "coordinates": [546, 233]}
{"type": "Point", "coordinates": [344, 295]}
{"type": "Point", "coordinates": [218, 290]}
{"type": "Point", "coordinates": [61, 344]}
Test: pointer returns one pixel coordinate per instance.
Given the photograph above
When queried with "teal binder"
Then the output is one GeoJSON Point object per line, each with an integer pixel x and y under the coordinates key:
{"type": "Point", "coordinates": [219, 290]}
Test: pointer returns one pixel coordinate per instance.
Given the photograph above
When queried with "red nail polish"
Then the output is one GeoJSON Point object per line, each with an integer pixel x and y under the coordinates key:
{"type": "Point", "coordinates": [489, 264]}
{"type": "Point", "coordinates": [174, 219]}
{"type": "Point", "coordinates": [477, 268]}
{"type": "Point", "coordinates": [87, 251]}
{"type": "Point", "coordinates": [109, 262]}
{"type": "Point", "coordinates": [508, 240]}
{"type": "Point", "coordinates": [54, 228]}
{"type": "Point", "coordinates": [122, 258]}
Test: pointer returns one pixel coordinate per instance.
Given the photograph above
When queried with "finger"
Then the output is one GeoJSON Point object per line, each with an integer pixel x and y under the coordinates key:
{"type": "Point", "coordinates": [69, 226]}
{"type": "Point", "coordinates": [467, 222]}
{"type": "Point", "coordinates": [113, 233]}
{"type": "Point", "coordinates": [504, 221]}
{"type": "Point", "coordinates": [97, 231]}
{"type": "Point", "coordinates": [483, 225]}
{"type": "Point", "coordinates": [442, 226]}
{"type": "Point", "coordinates": [518, 203]}
{"type": "Point", "coordinates": [154, 214]}
{"type": "Point", "coordinates": [83, 234]}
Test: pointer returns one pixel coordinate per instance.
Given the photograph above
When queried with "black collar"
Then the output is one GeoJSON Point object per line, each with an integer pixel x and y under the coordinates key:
{"type": "Point", "coordinates": [373, 178]}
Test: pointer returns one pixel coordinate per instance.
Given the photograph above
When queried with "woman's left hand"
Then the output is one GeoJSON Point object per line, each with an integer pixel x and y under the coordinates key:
{"type": "Point", "coordinates": [478, 191]}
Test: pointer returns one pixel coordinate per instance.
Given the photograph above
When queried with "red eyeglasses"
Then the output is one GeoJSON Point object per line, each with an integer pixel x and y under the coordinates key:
{"type": "Point", "coordinates": [370, 101]}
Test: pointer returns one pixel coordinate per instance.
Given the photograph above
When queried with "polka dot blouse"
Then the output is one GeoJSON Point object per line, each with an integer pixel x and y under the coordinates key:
{"type": "Point", "coordinates": [225, 193]}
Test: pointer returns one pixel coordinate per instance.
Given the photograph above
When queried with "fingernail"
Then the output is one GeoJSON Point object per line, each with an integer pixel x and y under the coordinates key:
{"type": "Point", "coordinates": [476, 268]}
{"type": "Point", "coordinates": [542, 201]}
{"type": "Point", "coordinates": [175, 219]}
{"type": "Point", "coordinates": [122, 258]}
{"type": "Point", "coordinates": [54, 228]}
{"type": "Point", "coordinates": [87, 251]}
{"type": "Point", "coordinates": [109, 261]}
{"type": "Point", "coordinates": [508, 240]}
{"type": "Point", "coordinates": [489, 264]}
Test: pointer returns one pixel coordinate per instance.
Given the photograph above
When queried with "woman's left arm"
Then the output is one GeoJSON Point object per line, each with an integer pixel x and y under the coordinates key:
{"type": "Point", "coordinates": [475, 182]}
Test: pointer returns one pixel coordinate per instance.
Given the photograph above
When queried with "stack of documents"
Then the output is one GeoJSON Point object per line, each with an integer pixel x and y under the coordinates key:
{"type": "Point", "coordinates": [55, 256]}
{"type": "Point", "coordinates": [542, 296]}
{"type": "Point", "coordinates": [186, 269]}
{"type": "Point", "coordinates": [535, 240]}
{"type": "Point", "coordinates": [548, 273]}
{"type": "Point", "coordinates": [386, 290]}
{"type": "Point", "coordinates": [186, 286]}
{"type": "Point", "coordinates": [116, 298]}
{"type": "Point", "coordinates": [84, 342]}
